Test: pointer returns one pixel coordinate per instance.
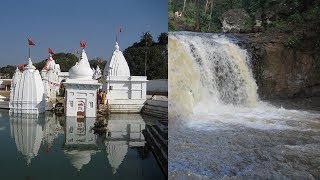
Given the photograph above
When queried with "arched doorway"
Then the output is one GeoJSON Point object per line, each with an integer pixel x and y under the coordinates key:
{"type": "Point", "coordinates": [81, 108]}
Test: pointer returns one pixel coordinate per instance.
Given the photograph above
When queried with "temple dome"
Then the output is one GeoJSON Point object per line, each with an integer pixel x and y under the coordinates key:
{"type": "Point", "coordinates": [82, 68]}
{"type": "Point", "coordinates": [118, 65]}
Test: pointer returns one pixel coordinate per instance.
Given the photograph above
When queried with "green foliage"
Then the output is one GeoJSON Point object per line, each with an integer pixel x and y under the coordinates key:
{"type": "Point", "coordinates": [248, 25]}
{"type": "Point", "coordinates": [98, 62]}
{"type": "Point", "coordinates": [293, 41]}
{"type": "Point", "coordinates": [8, 71]}
{"type": "Point", "coordinates": [172, 25]}
{"type": "Point", "coordinates": [210, 21]}
{"type": "Point", "coordinates": [295, 18]}
{"type": "Point", "coordinates": [312, 14]}
{"type": "Point", "coordinates": [65, 60]}
{"type": "Point", "coordinates": [279, 24]}
{"type": "Point", "coordinates": [154, 54]}
{"type": "Point", "coordinates": [40, 64]}
{"type": "Point", "coordinates": [163, 39]}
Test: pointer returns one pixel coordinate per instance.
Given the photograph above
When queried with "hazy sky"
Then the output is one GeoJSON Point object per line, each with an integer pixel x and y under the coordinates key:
{"type": "Point", "coordinates": [62, 24]}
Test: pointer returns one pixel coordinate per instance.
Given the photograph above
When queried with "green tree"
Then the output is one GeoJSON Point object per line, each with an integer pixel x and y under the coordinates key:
{"type": "Point", "coordinates": [154, 54]}
{"type": "Point", "coordinates": [8, 71]}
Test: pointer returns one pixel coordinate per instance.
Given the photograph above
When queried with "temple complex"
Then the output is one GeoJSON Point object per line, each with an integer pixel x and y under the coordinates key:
{"type": "Point", "coordinates": [125, 93]}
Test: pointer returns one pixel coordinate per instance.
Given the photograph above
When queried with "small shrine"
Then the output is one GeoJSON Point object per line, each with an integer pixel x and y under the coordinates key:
{"type": "Point", "coordinates": [81, 89]}
{"type": "Point", "coordinates": [97, 73]}
{"type": "Point", "coordinates": [26, 93]}
{"type": "Point", "coordinates": [125, 93]}
{"type": "Point", "coordinates": [51, 83]}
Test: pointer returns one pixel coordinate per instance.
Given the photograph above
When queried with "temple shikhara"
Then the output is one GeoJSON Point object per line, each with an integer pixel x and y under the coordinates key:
{"type": "Point", "coordinates": [125, 93]}
{"type": "Point", "coordinates": [33, 92]}
{"type": "Point", "coordinates": [27, 91]}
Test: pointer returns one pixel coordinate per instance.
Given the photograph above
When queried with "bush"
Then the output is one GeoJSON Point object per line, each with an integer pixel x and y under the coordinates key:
{"type": "Point", "coordinates": [292, 41]}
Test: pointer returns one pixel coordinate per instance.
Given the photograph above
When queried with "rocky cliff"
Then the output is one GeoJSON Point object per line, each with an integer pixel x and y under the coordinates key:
{"type": "Point", "coordinates": [286, 49]}
{"type": "Point", "coordinates": [281, 71]}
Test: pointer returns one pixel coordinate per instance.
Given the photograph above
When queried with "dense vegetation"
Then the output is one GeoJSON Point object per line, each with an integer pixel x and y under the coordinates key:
{"type": "Point", "coordinates": [204, 15]}
{"type": "Point", "coordinates": [155, 52]}
{"type": "Point", "coordinates": [297, 21]}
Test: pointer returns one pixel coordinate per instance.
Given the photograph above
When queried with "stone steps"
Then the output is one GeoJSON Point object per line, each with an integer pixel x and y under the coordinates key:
{"type": "Point", "coordinates": [156, 108]}
{"type": "Point", "coordinates": [4, 104]}
{"type": "Point", "coordinates": [158, 141]}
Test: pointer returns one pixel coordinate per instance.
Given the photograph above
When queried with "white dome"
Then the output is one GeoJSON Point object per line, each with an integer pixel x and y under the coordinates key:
{"type": "Point", "coordinates": [82, 68]}
{"type": "Point", "coordinates": [118, 65]}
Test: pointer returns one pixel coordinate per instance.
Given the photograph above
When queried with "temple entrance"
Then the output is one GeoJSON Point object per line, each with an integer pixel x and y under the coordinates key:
{"type": "Point", "coordinates": [81, 108]}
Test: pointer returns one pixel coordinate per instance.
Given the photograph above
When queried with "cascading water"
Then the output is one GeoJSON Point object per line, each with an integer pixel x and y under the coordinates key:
{"type": "Point", "coordinates": [215, 70]}
{"type": "Point", "coordinates": [223, 124]}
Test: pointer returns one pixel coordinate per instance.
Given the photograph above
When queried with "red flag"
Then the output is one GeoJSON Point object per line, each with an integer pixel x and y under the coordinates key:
{"type": "Point", "coordinates": [120, 29]}
{"type": "Point", "coordinates": [21, 66]}
{"type": "Point", "coordinates": [50, 51]}
{"type": "Point", "coordinates": [100, 61]}
{"type": "Point", "coordinates": [30, 42]}
{"type": "Point", "coordinates": [83, 44]}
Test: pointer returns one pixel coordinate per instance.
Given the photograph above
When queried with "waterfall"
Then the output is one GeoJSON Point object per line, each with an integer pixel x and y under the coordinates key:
{"type": "Point", "coordinates": [211, 81]}
{"type": "Point", "coordinates": [209, 69]}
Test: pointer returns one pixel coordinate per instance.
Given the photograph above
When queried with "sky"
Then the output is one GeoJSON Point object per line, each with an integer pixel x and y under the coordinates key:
{"type": "Point", "coordinates": [62, 24]}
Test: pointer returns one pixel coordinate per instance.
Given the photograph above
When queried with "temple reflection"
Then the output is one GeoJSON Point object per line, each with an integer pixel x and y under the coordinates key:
{"type": "Point", "coordinates": [123, 133]}
{"type": "Point", "coordinates": [79, 143]}
{"type": "Point", "coordinates": [27, 132]}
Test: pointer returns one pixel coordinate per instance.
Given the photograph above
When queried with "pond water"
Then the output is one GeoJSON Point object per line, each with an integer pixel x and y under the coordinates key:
{"type": "Point", "coordinates": [52, 147]}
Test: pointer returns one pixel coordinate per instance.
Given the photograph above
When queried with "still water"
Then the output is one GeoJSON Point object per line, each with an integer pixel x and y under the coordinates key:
{"type": "Point", "coordinates": [52, 147]}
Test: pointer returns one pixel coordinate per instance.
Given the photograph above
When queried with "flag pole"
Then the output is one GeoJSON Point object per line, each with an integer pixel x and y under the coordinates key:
{"type": "Point", "coordinates": [145, 57]}
{"type": "Point", "coordinates": [29, 51]}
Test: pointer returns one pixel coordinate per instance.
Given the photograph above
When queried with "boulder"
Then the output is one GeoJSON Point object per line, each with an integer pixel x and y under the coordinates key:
{"type": "Point", "coordinates": [235, 21]}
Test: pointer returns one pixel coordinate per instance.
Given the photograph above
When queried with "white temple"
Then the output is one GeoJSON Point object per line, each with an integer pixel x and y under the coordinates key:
{"type": "Point", "coordinates": [27, 91]}
{"type": "Point", "coordinates": [50, 78]}
{"type": "Point", "coordinates": [125, 93]}
{"type": "Point", "coordinates": [81, 90]}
